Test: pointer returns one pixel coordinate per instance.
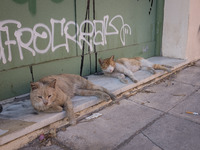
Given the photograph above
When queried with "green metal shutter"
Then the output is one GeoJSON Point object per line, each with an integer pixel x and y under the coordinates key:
{"type": "Point", "coordinates": [44, 37]}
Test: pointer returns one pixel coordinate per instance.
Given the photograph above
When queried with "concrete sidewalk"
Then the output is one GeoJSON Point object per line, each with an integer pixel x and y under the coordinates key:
{"type": "Point", "coordinates": [20, 123]}
{"type": "Point", "coordinates": [153, 119]}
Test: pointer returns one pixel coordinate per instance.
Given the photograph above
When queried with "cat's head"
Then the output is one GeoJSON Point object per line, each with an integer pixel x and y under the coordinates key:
{"type": "Point", "coordinates": [107, 65]}
{"type": "Point", "coordinates": [43, 95]}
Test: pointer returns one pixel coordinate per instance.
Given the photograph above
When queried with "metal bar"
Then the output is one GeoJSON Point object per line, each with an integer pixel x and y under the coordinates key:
{"type": "Point", "coordinates": [159, 26]}
{"type": "Point", "coordinates": [83, 50]}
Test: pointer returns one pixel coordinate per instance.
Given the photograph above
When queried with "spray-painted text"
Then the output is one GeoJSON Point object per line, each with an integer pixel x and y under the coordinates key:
{"type": "Point", "coordinates": [48, 33]}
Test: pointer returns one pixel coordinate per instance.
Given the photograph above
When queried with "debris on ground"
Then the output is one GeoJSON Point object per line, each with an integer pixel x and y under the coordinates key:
{"type": "Point", "coordinates": [63, 129]}
{"type": "Point", "coordinates": [193, 113]}
{"type": "Point", "coordinates": [93, 116]}
{"type": "Point", "coordinates": [145, 102]}
{"type": "Point", "coordinates": [41, 137]}
{"type": "Point", "coordinates": [49, 143]}
{"type": "Point", "coordinates": [46, 139]}
{"type": "Point", "coordinates": [148, 91]}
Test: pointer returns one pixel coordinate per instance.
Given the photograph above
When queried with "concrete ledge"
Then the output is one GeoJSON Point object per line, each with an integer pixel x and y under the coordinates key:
{"type": "Point", "coordinates": [19, 118]}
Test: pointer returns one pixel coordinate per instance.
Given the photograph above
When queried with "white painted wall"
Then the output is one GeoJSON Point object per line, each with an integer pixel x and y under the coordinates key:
{"type": "Point", "coordinates": [193, 42]}
{"type": "Point", "coordinates": [175, 28]}
{"type": "Point", "coordinates": [181, 29]}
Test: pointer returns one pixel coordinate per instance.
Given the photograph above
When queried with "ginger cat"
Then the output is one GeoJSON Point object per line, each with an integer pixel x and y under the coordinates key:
{"type": "Point", "coordinates": [127, 66]}
{"type": "Point", "coordinates": [52, 93]}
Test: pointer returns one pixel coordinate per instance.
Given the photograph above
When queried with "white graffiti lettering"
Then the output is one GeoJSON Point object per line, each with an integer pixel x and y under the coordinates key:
{"type": "Point", "coordinates": [21, 44]}
{"type": "Point", "coordinates": [99, 31]}
{"type": "Point", "coordinates": [8, 42]}
{"type": "Point", "coordinates": [61, 22]}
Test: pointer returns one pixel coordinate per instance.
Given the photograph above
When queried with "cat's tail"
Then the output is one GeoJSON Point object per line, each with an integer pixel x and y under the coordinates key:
{"type": "Point", "coordinates": [162, 67]}
{"type": "Point", "coordinates": [112, 96]}
{"type": "Point", "coordinates": [92, 86]}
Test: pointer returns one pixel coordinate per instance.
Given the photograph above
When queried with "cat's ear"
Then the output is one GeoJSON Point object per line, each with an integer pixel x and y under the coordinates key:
{"type": "Point", "coordinates": [35, 85]}
{"type": "Point", "coordinates": [100, 61]}
{"type": "Point", "coordinates": [52, 83]}
{"type": "Point", "coordinates": [112, 57]}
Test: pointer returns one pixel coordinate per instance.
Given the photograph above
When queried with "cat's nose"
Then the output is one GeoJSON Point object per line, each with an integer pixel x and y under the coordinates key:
{"type": "Point", "coordinates": [45, 102]}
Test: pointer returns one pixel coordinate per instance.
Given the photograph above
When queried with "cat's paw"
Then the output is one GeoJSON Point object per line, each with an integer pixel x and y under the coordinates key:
{"type": "Point", "coordinates": [124, 81]}
{"type": "Point", "coordinates": [105, 97]}
{"type": "Point", "coordinates": [135, 81]}
{"type": "Point", "coordinates": [72, 122]}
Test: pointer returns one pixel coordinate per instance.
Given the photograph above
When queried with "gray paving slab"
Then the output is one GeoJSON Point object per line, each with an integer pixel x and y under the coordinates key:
{"type": "Point", "coordinates": [172, 133]}
{"type": "Point", "coordinates": [190, 75]}
{"type": "Point", "coordinates": [192, 104]}
{"type": "Point", "coordinates": [116, 124]}
{"type": "Point", "coordinates": [164, 96]}
{"type": "Point", "coordinates": [17, 109]}
{"type": "Point", "coordinates": [140, 142]}
{"type": "Point", "coordinates": [166, 61]}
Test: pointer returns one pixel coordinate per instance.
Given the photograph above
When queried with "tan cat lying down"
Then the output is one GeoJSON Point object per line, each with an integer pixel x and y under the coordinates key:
{"type": "Point", "coordinates": [52, 93]}
{"type": "Point", "coordinates": [127, 66]}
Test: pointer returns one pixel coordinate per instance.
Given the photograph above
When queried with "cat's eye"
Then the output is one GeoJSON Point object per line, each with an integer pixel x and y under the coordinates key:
{"type": "Point", "coordinates": [40, 97]}
{"type": "Point", "coordinates": [49, 96]}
